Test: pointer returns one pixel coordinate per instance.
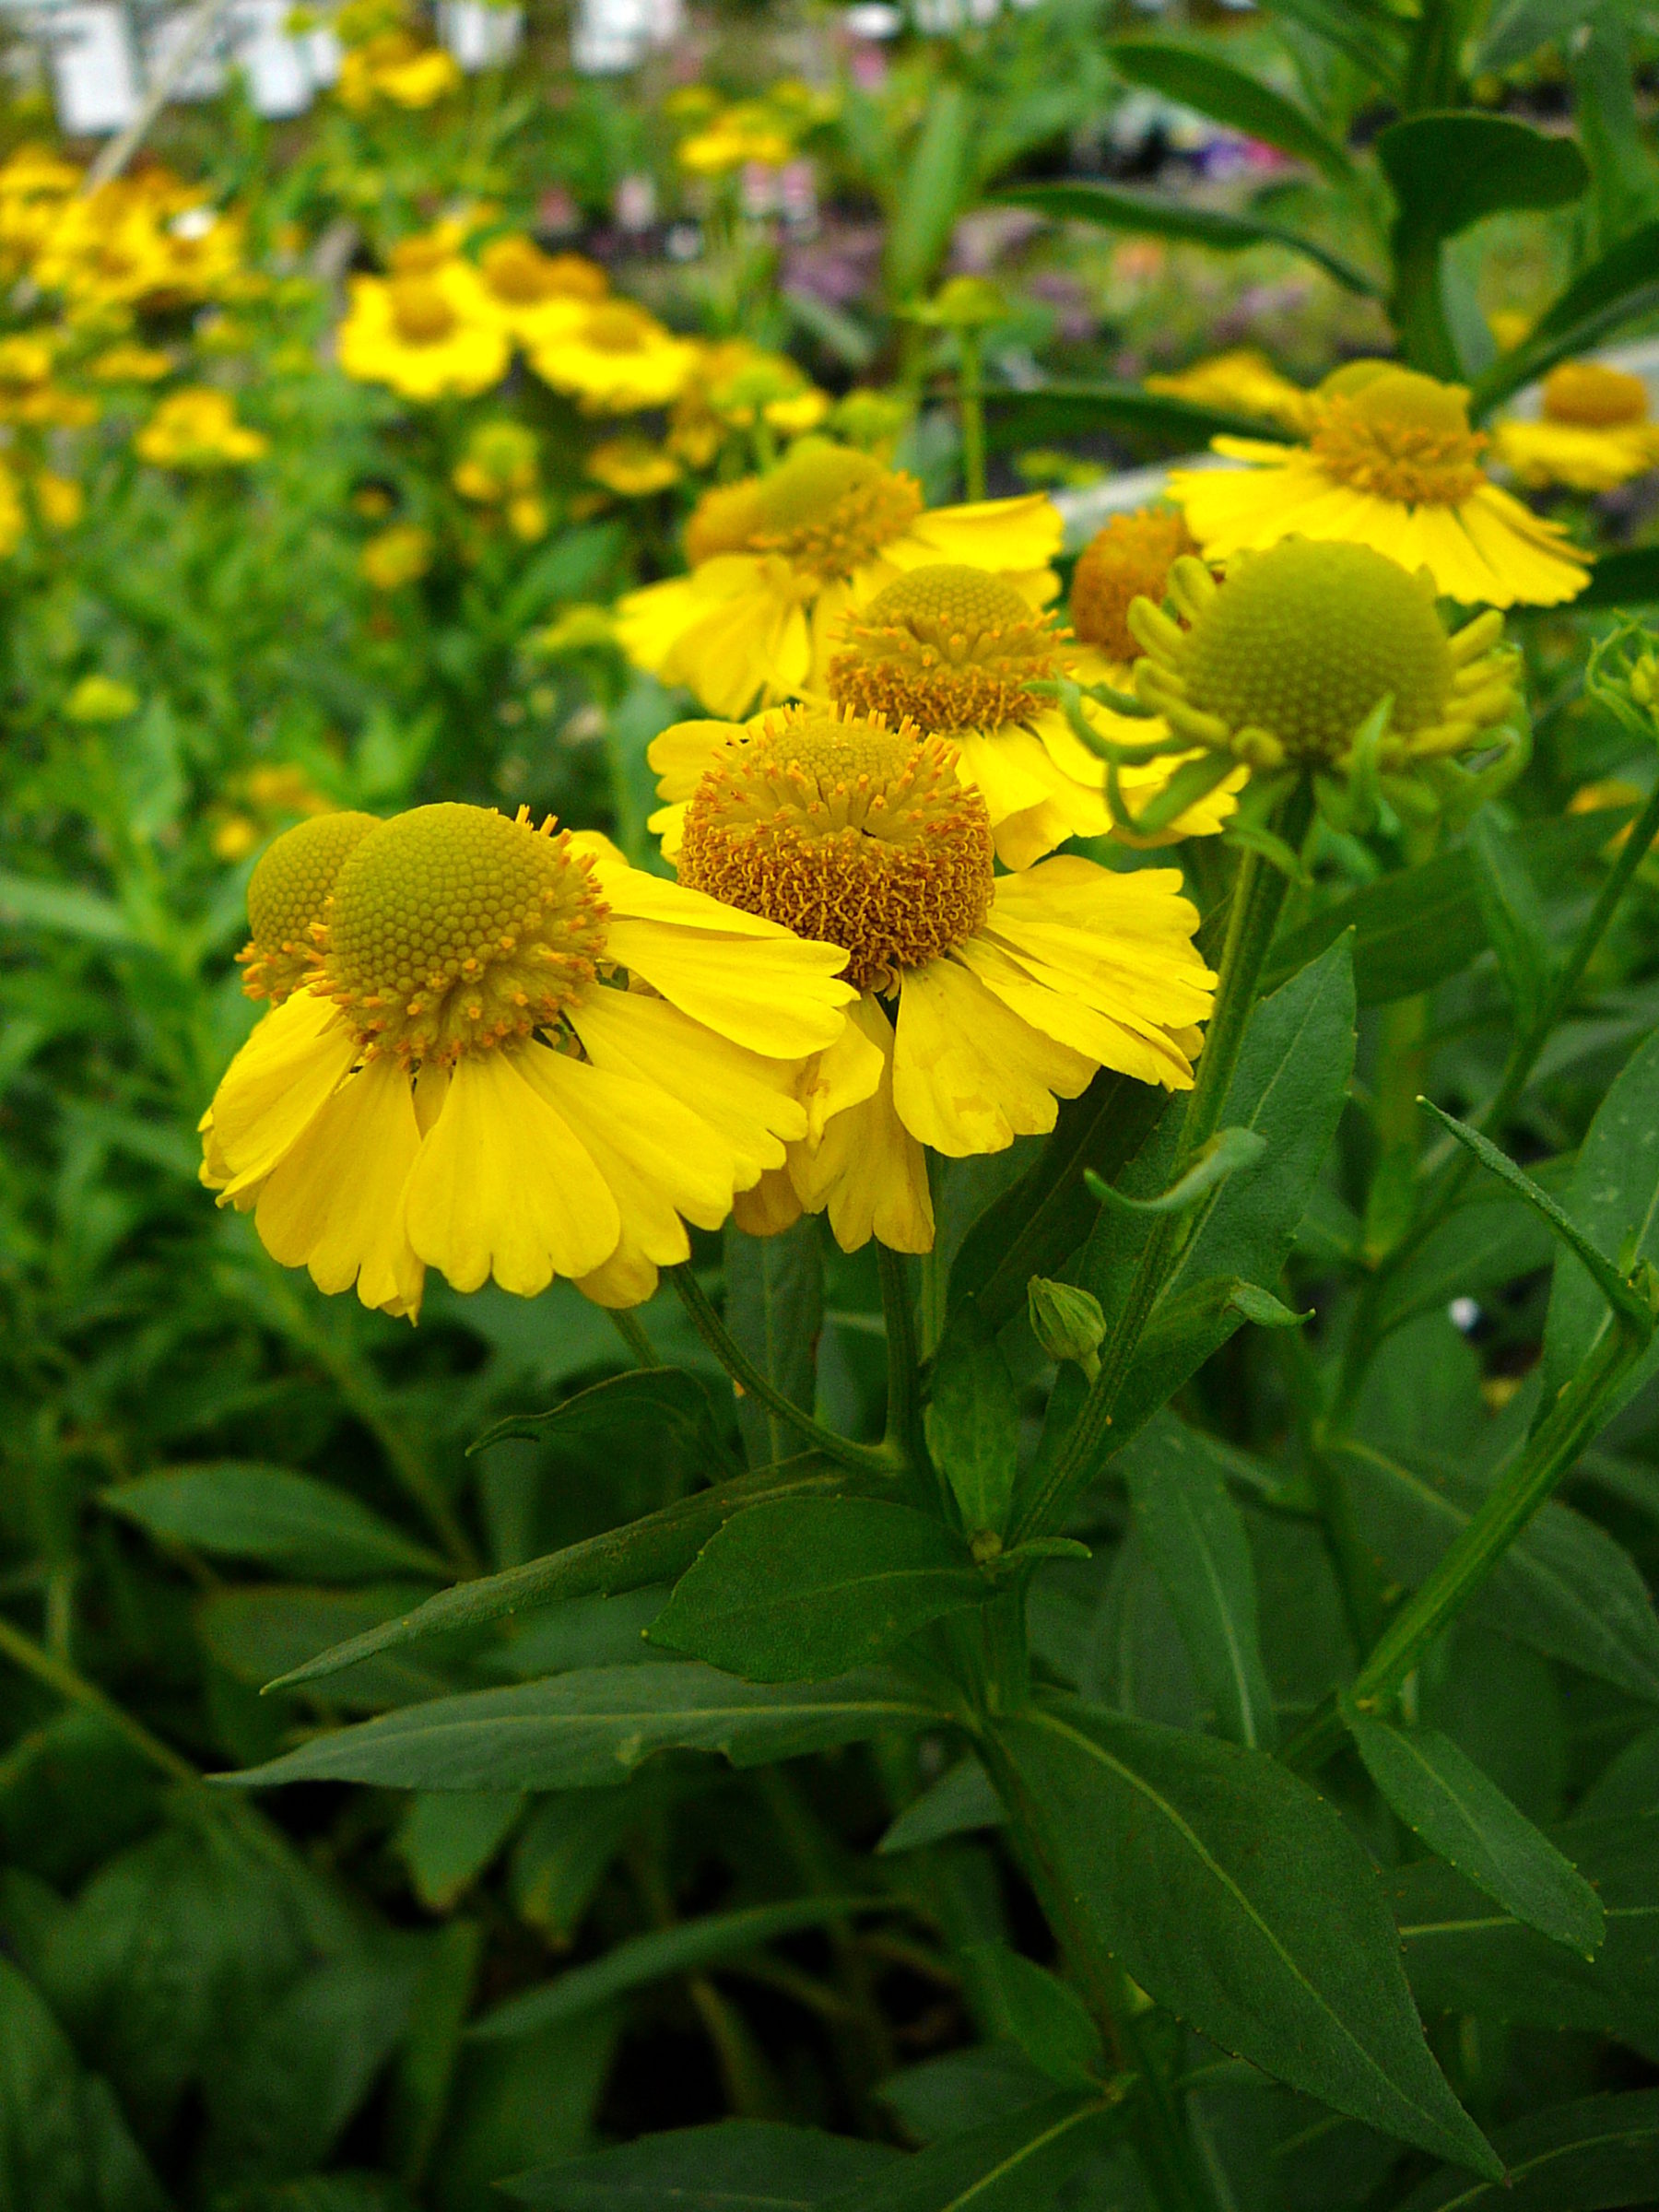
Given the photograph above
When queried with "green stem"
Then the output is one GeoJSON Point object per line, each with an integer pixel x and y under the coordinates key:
{"type": "Point", "coordinates": [1257, 900]}
{"type": "Point", "coordinates": [970, 407]}
{"type": "Point", "coordinates": [867, 1458]}
{"type": "Point", "coordinates": [631, 1330]}
{"type": "Point", "coordinates": [903, 1437]}
{"type": "Point", "coordinates": [57, 1675]}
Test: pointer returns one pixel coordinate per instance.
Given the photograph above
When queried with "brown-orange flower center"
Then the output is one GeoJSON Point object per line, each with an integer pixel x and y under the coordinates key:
{"type": "Point", "coordinates": [950, 647]}
{"type": "Point", "coordinates": [420, 314]}
{"type": "Point", "coordinates": [824, 508]}
{"type": "Point", "coordinates": [1128, 560]}
{"type": "Point", "coordinates": [1398, 434]}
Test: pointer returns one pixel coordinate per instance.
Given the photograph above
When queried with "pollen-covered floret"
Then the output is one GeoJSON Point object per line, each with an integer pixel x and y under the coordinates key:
{"type": "Point", "coordinates": [452, 928]}
{"type": "Point", "coordinates": [287, 893]}
{"type": "Point", "coordinates": [951, 647]}
{"type": "Point", "coordinates": [824, 508]}
{"type": "Point", "coordinates": [1129, 559]}
{"type": "Point", "coordinates": [844, 830]}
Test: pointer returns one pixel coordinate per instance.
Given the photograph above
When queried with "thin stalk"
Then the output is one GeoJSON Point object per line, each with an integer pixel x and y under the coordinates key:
{"type": "Point", "coordinates": [867, 1458]}
{"type": "Point", "coordinates": [57, 1675]}
{"type": "Point", "coordinates": [970, 409]}
{"type": "Point", "coordinates": [1253, 917]}
{"type": "Point", "coordinates": [903, 1437]}
{"type": "Point", "coordinates": [631, 1330]}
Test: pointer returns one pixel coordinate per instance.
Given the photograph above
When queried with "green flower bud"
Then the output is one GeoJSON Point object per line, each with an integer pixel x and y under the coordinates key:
{"type": "Point", "coordinates": [1067, 1323]}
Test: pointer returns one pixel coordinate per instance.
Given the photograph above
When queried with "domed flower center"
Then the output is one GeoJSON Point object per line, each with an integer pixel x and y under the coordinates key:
{"type": "Point", "coordinates": [844, 830]}
{"type": "Point", "coordinates": [420, 314]}
{"type": "Point", "coordinates": [951, 648]}
{"type": "Point", "coordinates": [288, 894]}
{"type": "Point", "coordinates": [453, 928]}
{"type": "Point", "coordinates": [1128, 560]}
{"type": "Point", "coordinates": [1398, 434]}
{"type": "Point", "coordinates": [1302, 641]}
{"type": "Point", "coordinates": [617, 328]}
{"type": "Point", "coordinates": [1593, 399]}
{"type": "Point", "coordinates": [518, 271]}
{"type": "Point", "coordinates": [824, 508]}
{"type": "Point", "coordinates": [420, 256]}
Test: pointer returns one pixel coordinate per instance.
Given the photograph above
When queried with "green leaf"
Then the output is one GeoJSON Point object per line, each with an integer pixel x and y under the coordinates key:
{"type": "Point", "coordinates": [1117, 207]}
{"type": "Point", "coordinates": [1442, 1797]}
{"type": "Point", "coordinates": [448, 1836]}
{"type": "Point", "coordinates": [802, 1590]}
{"type": "Point", "coordinates": [1013, 2164]}
{"type": "Point", "coordinates": [972, 1421]}
{"type": "Point", "coordinates": [1488, 1241]}
{"type": "Point", "coordinates": [1227, 1153]}
{"type": "Point", "coordinates": [246, 1510]}
{"type": "Point", "coordinates": [935, 183]}
{"type": "Point", "coordinates": [1628, 577]}
{"type": "Point", "coordinates": [653, 1549]}
{"type": "Point", "coordinates": [1613, 1201]}
{"type": "Point", "coordinates": [1370, 34]}
{"type": "Point", "coordinates": [1062, 408]}
{"type": "Point", "coordinates": [64, 2144]}
{"type": "Point", "coordinates": [258, 1630]}
{"type": "Point", "coordinates": [1237, 1898]}
{"type": "Point", "coordinates": [1518, 28]}
{"type": "Point", "coordinates": [1197, 78]}
{"type": "Point", "coordinates": [1415, 928]}
{"type": "Point", "coordinates": [30, 902]}
{"type": "Point", "coordinates": [1512, 913]}
{"type": "Point", "coordinates": [652, 1400]}
{"type": "Point", "coordinates": [1196, 1543]}
{"type": "Point", "coordinates": [564, 1848]}
{"type": "Point", "coordinates": [639, 1961]}
{"type": "Point", "coordinates": [1465, 1954]}
{"type": "Point", "coordinates": [1452, 167]}
{"type": "Point", "coordinates": [1045, 2016]}
{"type": "Point", "coordinates": [1563, 1588]}
{"type": "Point", "coordinates": [774, 1309]}
{"type": "Point", "coordinates": [735, 2166]}
{"type": "Point", "coordinates": [591, 1729]}
{"type": "Point", "coordinates": [960, 1800]}
{"type": "Point", "coordinates": [1589, 2156]}
{"type": "Point", "coordinates": [1616, 289]}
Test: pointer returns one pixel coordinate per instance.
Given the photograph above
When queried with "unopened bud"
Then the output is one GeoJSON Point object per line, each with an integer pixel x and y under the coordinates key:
{"type": "Point", "coordinates": [1067, 1323]}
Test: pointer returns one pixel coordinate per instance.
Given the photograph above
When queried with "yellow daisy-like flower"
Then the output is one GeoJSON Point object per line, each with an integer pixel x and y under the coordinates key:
{"type": "Point", "coordinates": [779, 560]}
{"type": "Point", "coordinates": [503, 1052]}
{"type": "Point", "coordinates": [958, 653]}
{"type": "Point", "coordinates": [1242, 379]}
{"type": "Point", "coordinates": [735, 137]}
{"type": "Point", "coordinates": [398, 555]}
{"type": "Point", "coordinates": [396, 67]}
{"type": "Point", "coordinates": [734, 387]}
{"type": "Point", "coordinates": [1390, 461]}
{"type": "Point", "coordinates": [1593, 433]}
{"type": "Point", "coordinates": [521, 279]}
{"type": "Point", "coordinates": [632, 467]}
{"type": "Point", "coordinates": [428, 336]}
{"type": "Point", "coordinates": [130, 364]}
{"type": "Point", "coordinates": [610, 355]}
{"type": "Point", "coordinates": [197, 429]}
{"type": "Point", "coordinates": [1286, 663]}
{"type": "Point", "coordinates": [1009, 992]}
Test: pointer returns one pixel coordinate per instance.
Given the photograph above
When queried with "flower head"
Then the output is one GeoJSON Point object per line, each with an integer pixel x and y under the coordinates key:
{"type": "Point", "coordinates": [395, 67]}
{"type": "Point", "coordinates": [428, 334]}
{"type": "Point", "coordinates": [609, 355]}
{"type": "Point", "coordinates": [1390, 461]}
{"type": "Point", "coordinates": [1592, 431]}
{"type": "Point", "coordinates": [399, 555]}
{"type": "Point", "coordinates": [197, 429]}
{"type": "Point", "coordinates": [779, 559]}
{"type": "Point", "coordinates": [1288, 660]}
{"type": "Point", "coordinates": [503, 1051]}
{"type": "Point", "coordinates": [1129, 559]}
{"type": "Point", "coordinates": [1243, 379]}
{"type": "Point", "coordinates": [1010, 991]}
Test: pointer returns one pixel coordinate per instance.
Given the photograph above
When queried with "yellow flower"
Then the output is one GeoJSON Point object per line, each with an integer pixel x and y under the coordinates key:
{"type": "Point", "coordinates": [1286, 663]}
{"type": "Point", "coordinates": [398, 556]}
{"type": "Point", "coordinates": [457, 1076]}
{"type": "Point", "coordinates": [521, 280]}
{"type": "Point", "coordinates": [197, 429]}
{"type": "Point", "coordinates": [1244, 380]}
{"type": "Point", "coordinates": [59, 500]}
{"type": "Point", "coordinates": [1593, 432]}
{"type": "Point", "coordinates": [395, 67]}
{"type": "Point", "coordinates": [101, 699]}
{"type": "Point", "coordinates": [146, 241]}
{"type": "Point", "coordinates": [732, 139]}
{"type": "Point", "coordinates": [427, 335]}
{"type": "Point", "coordinates": [778, 561]}
{"type": "Point", "coordinates": [1390, 461]}
{"type": "Point", "coordinates": [34, 184]}
{"type": "Point", "coordinates": [958, 653]}
{"type": "Point", "coordinates": [501, 460]}
{"type": "Point", "coordinates": [1010, 991]}
{"type": "Point", "coordinates": [610, 355]}
{"type": "Point", "coordinates": [632, 467]}
{"type": "Point", "coordinates": [733, 386]}
{"type": "Point", "coordinates": [129, 364]}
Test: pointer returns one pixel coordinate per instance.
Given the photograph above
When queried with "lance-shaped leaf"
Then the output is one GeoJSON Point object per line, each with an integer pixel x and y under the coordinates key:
{"type": "Point", "coordinates": [960, 1800]}
{"type": "Point", "coordinates": [735, 2166]}
{"type": "Point", "coordinates": [1045, 2016]}
{"type": "Point", "coordinates": [1367, 31]}
{"type": "Point", "coordinates": [1443, 1796]}
{"type": "Point", "coordinates": [1237, 1898]}
{"type": "Point", "coordinates": [661, 1400]}
{"type": "Point", "coordinates": [591, 1728]}
{"type": "Point", "coordinates": [1197, 78]}
{"type": "Point", "coordinates": [1450, 168]}
{"type": "Point", "coordinates": [972, 1421]}
{"type": "Point", "coordinates": [1589, 2156]}
{"type": "Point", "coordinates": [1013, 2164]}
{"type": "Point", "coordinates": [804, 1589]}
{"type": "Point", "coordinates": [1514, 915]}
{"type": "Point", "coordinates": [1064, 407]}
{"type": "Point", "coordinates": [1620, 286]}
{"type": "Point", "coordinates": [1117, 207]}
{"type": "Point", "coordinates": [245, 1510]}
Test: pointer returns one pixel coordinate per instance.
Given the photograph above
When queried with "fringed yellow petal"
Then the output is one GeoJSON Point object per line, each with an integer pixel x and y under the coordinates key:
{"type": "Point", "coordinates": [778, 994]}
{"type": "Point", "coordinates": [969, 1076]}
{"type": "Point", "coordinates": [274, 1088]}
{"type": "Point", "coordinates": [335, 1202]}
{"type": "Point", "coordinates": [867, 1168]}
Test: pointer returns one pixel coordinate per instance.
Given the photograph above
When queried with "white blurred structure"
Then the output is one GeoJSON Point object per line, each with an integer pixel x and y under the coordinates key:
{"type": "Point", "coordinates": [481, 34]}
{"type": "Point", "coordinates": [609, 36]}
{"type": "Point", "coordinates": [95, 83]}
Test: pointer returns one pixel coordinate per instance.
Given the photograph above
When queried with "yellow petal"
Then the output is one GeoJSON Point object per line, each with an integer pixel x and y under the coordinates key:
{"type": "Point", "coordinates": [279, 1080]}
{"type": "Point", "coordinates": [772, 1205]}
{"type": "Point", "coordinates": [969, 1076]}
{"type": "Point", "coordinates": [867, 1168]}
{"type": "Point", "coordinates": [682, 755]}
{"type": "Point", "coordinates": [335, 1202]}
{"type": "Point", "coordinates": [1024, 533]}
{"type": "Point", "coordinates": [779, 995]}
{"type": "Point", "coordinates": [658, 1159]}
{"type": "Point", "coordinates": [1133, 1047]}
{"type": "Point", "coordinates": [503, 1186]}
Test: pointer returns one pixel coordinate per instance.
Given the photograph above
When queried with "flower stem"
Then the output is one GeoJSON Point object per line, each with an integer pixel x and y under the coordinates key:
{"type": "Point", "coordinates": [631, 1330]}
{"type": "Point", "coordinates": [869, 1459]}
{"type": "Point", "coordinates": [970, 406]}
{"type": "Point", "coordinates": [903, 1437]}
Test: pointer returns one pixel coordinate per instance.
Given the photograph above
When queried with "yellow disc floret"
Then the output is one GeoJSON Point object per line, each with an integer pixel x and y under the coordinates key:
{"type": "Point", "coordinates": [453, 928]}
{"type": "Point", "coordinates": [420, 314]}
{"type": "Point", "coordinates": [950, 648]}
{"type": "Point", "coordinates": [844, 830]}
{"type": "Point", "coordinates": [1128, 560]}
{"type": "Point", "coordinates": [287, 893]}
{"type": "Point", "coordinates": [1287, 658]}
{"type": "Point", "coordinates": [1398, 434]}
{"type": "Point", "coordinates": [824, 508]}
{"type": "Point", "coordinates": [1594, 397]}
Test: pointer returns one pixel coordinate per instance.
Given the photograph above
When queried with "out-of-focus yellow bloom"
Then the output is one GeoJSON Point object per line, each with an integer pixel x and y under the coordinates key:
{"type": "Point", "coordinates": [426, 336]}
{"type": "Point", "coordinates": [736, 386]}
{"type": "Point", "coordinates": [145, 241]}
{"type": "Point", "coordinates": [395, 67]}
{"type": "Point", "coordinates": [1593, 432]}
{"type": "Point", "coordinates": [1508, 327]}
{"type": "Point", "coordinates": [28, 394]}
{"type": "Point", "coordinates": [524, 282]}
{"type": "Point", "coordinates": [130, 364]}
{"type": "Point", "coordinates": [197, 429]}
{"type": "Point", "coordinates": [398, 556]}
{"type": "Point", "coordinates": [59, 500]}
{"type": "Point", "coordinates": [500, 459]}
{"type": "Point", "coordinates": [632, 467]}
{"type": "Point", "coordinates": [1243, 380]}
{"type": "Point", "coordinates": [611, 356]}
{"type": "Point", "coordinates": [283, 787]}
{"type": "Point", "coordinates": [734, 139]}
{"type": "Point", "coordinates": [419, 254]}
{"type": "Point", "coordinates": [34, 184]}
{"type": "Point", "coordinates": [233, 838]}
{"type": "Point", "coordinates": [1389, 462]}
{"type": "Point", "coordinates": [582, 628]}
{"type": "Point", "coordinates": [874, 421]}
{"type": "Point", "coordinates": [101, 699]}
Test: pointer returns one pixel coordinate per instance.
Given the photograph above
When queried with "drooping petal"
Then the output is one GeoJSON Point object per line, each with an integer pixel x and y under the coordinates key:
{"type": "Point", "coordinates": [969, 1075]}
{"type": "Point", "coordinates": [334, 1201]}
{"type": "Point", "coordinates": [274, 1088]}
{"type": "Point", "coordinates": [867, 1168]}
{"type": "Point", "coordinates": [779, 995]}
